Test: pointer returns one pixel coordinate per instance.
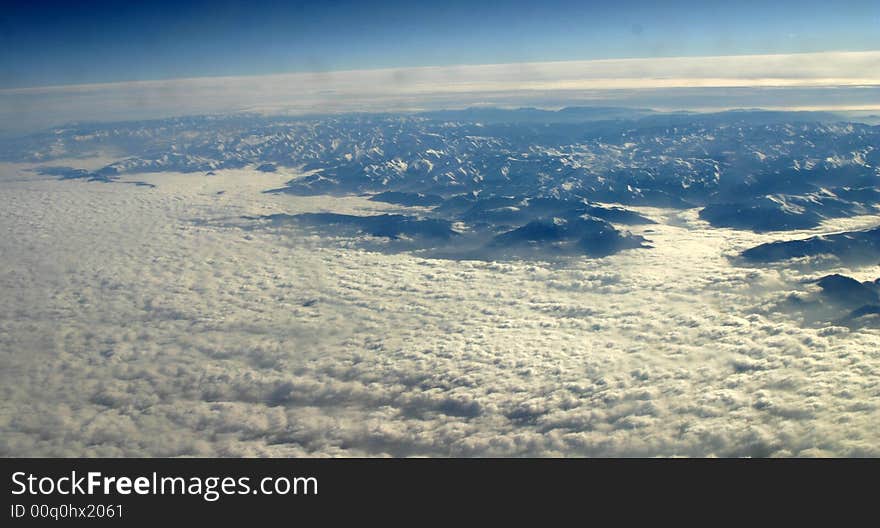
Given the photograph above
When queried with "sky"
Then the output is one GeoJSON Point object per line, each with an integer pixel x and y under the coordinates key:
{"type": "Point", "coordinates": [63, 62]}
{"type": "Point", "coordinates": [62, 43]}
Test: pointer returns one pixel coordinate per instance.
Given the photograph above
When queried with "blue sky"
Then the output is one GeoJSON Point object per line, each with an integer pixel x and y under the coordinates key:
{"type": "Point", "coordinates": [56, 43]}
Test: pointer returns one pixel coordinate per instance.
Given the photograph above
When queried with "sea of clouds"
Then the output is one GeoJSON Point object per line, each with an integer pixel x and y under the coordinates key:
{"type": "Point", "coordinates": [157, 322]}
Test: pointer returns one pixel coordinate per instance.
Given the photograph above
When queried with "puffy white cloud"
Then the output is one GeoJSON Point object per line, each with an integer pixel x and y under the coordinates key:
{"type": "Point", "coordinates": [132, 327]}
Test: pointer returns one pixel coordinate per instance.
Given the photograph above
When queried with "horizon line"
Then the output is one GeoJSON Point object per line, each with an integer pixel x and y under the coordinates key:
{"type": "Point", "coordinates": [472, 68]}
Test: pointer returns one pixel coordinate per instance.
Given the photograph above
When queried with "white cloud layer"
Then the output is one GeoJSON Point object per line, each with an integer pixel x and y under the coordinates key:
{"type": "Point", "coordinates": [620, 80]}
{"type": "Point", "coordinates": [129, 327]}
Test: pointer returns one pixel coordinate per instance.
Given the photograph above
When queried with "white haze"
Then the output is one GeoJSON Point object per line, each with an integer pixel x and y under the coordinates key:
{"type": "Point", "coordinates": [817, 81]}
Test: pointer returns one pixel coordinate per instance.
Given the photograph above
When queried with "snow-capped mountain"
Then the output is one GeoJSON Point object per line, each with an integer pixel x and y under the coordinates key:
{"type": "Point", "coordinates": [502, 170]}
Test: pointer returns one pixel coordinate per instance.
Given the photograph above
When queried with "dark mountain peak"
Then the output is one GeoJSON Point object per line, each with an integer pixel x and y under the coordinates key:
{"type": "Point", "coordinates": [852, 247]}
{"type": "Point", "coordinates": [848, 291]}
